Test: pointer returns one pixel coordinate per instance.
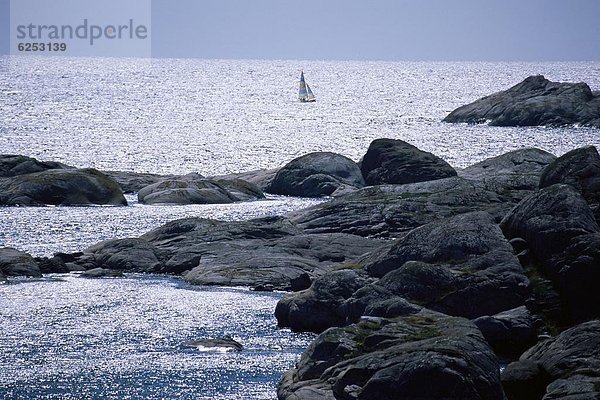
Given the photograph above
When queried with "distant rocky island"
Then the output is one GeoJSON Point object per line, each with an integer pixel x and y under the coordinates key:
{"type": "Point", "coordinates": [534, 102]}
{"type": "Point", "coordinates": [419, 278]}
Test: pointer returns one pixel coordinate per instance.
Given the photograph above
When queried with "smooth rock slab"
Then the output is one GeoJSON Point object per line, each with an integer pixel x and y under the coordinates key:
{"type": "Point", "coordinates": [391, 210]}
{"type": "Point", "coordinates": [195, 189]}
{"type": "Point", "coordinates": [424, 356]}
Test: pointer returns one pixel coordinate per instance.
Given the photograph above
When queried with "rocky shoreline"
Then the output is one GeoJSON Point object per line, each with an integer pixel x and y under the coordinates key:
{"type": "Point", "coordinates": [418, 278]}
{"type": "Point", "coordinates": [440, 277]}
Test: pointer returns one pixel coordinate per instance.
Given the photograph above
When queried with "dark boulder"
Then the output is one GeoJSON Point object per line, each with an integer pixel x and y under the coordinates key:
{"type": "Point", "coordinates": [575, 350]}
{"type": "Point", "coordinates": [317, 174]}
{"type": "Point", "coordinates": [524, 379]}
{"type": "Point", "coordinates": [549, 219]}
{"type": "Point", "coordinates": [17, 263]}
{"type": "Point", "coordinates": [195, 189]}
{"type": "Point", "coordinates": [564, 245]}
{"type": "Point", "coordinates": [460, 266]}
{"type": "Point", "coordinates": [564, 367]}
{"type": "Point", "coordinates": [132, 255]}
{"type": "Point", "coordinates": [392, 210]}
{"type": "Point", "coordinates": [64, 187]}
{"type": "Point", "coordinates": [319, 307]}
{"type": "Point", "coordinates": [510, 332]}
{"type": "Point", "coordinates": [533, 102]}
{"type": "Point", "coordinates": [397, 162]}
{"type": "Point", "coordinates": [579, 168]}
{"type": "Point", "coordinates": [13, 165]}
{"type": "Point", "coordinates": [424, 356]}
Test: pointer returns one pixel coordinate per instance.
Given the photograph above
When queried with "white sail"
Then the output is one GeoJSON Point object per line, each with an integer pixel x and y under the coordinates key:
{"type": "Point", "coordinates": [304, 92]}
{"type": "Point", "coordinates": [311, 96]}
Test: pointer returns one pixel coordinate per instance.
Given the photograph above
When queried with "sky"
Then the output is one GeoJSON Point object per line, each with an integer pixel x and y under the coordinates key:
{"type": "Point", "coordinates": [427, 30]}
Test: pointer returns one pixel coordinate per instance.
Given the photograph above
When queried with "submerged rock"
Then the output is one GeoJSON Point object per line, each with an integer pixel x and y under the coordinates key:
{"type": "Point", "coordinates": [64, 187]}
{"type": "Point", "coordinates": [424, 356]}
{"type": "Point", "coordinates": [397, 162]}
{"type": "Point", "coordinates": [225, 343]}
{"type": "Point", "coordinates": [535, 101]}
{"type": "Point", "coordinates": [17, 263]}
{"type": "Point", "coordinates": [195, 189]}
{"type": "Point", "coordinates": [317, 174]}
{"type": "Point", "coordinates": [102, 273]}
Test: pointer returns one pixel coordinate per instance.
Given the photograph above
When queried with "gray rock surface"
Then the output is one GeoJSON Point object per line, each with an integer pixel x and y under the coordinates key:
{"type": "Point", "coordinates": [260, 177]}
{"type": "Point", "coordinates": [268, 252]}
{"type": "Point", "coordinates": [564, 244]}
{"type": "Point", "coordinates": [132, 255]}
{"type": "Point", "coordinates": [195, 189]}
{"type": "Point", "coordinates": [579, 168]}
{"type": "Point", "coordinates": [392, 210]}
{"type": "Point", "coordinates": [317, 174]}
{"type": "Point", "coordinates": [17, 263]}
{"type": "Point", "coordinates": [549, 219]}
{"type": "Point", "coordinates": [133, 182]}
{"type": "Point", "coordinates": [460, 266]}
{"type": "Point", "coordinates": [397, 162]}
{"type": "Point", "coordinates": [567, 366]}
{"type": "Point", "coordinates": [535, 101]}
{"type": "Point", "coordinates": [510, 332]}
{"type": "Point", "coordinates": [424, 356]}
{"type": "Point", "coordinates": [65, 187]}
{"type": "Point", "coordinates": [514, 174]}
{"type": "Point", "coordinates": [13, 165]}
{"type": "Point", "coordinates": [575, 350]}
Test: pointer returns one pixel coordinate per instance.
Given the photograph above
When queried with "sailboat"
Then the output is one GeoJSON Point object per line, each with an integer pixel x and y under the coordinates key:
{"type": "Point", "coordinates": [305, 95]}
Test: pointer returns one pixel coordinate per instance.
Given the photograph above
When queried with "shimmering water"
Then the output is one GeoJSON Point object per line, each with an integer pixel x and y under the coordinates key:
{"type": "Point", "coordinates": [43, 231]}
{"type": "Point", "coordinates": [66, 337]}
{"type": "Point", "coordinates": [219, 116]}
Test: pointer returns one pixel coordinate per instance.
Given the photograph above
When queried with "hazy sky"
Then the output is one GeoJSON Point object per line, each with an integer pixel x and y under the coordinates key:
{"type": "Point", "coordinates": [371, 29]}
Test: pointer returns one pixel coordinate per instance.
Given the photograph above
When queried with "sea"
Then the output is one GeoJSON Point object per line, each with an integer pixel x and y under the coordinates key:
{"type": "Point", "coordinates": [64, 337]}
